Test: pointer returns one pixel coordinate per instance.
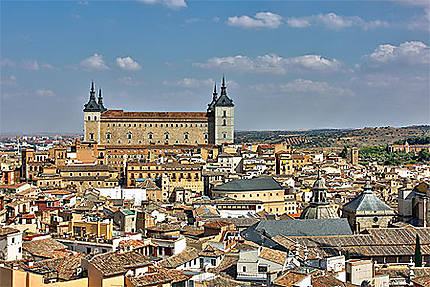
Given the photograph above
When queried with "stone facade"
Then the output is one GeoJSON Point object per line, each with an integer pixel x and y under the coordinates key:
{"type": "Point", "coordinates": [117, 127]}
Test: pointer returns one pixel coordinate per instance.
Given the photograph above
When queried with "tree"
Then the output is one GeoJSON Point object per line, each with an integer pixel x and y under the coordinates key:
{"type": "Point", "coordinates": [424, 155]}
{"type": "Point", "coordinates": [344, 152]}
{"type": "Point", "coordinates": [347, 255]}
{"type": "Point", "coordinates": [418, 255]}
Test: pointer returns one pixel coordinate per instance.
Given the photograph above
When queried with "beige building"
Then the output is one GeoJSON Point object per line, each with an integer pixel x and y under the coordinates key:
{"type": "Point", "coordinates": [367, 211]}
{"type": "Point", "coordinates": [171, 175]}
{"type": "Point", "coordinates": [264, 189]}
{"type": "Point", "coordinates": [88, 176]}
{"type": "Point", "coordinates": [117, 127]}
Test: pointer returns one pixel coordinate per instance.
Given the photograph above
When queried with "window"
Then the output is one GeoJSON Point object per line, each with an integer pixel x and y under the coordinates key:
{"type": "Point", "coordinates": [224, 135]}
{"type": "Point", "coordinates": [206, 136]}
{"type": "Point", "coordinates": [129, 135]}
{"type": "Point", "coordinates": [89, 118]}
{"type": "Point", "coordinates": [166, 135]}
{"type": "Point", "coordinates": [186, 136]}
{"type": "Point", "coordinates": [224, 114]}
{"type": "Point", "coordinates": [262, 269]}
{"type": "Point", "coordinates": [108, 136]}
{"type": "Point", "coordinates": [95, 118]}
{"type": "Point", "coordinates": [91, 136]}
{"type": "Point", "coordinates": [224, 122]}
{"type": "Point", "coordinates": [213, 262]}
{"type": "Point", "coordinates": [243, 268]}
{"type": "Point", "coordinates": [150, 136]}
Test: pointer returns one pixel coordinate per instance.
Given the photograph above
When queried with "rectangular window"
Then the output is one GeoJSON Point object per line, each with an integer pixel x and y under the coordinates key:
{"type": "Point", "coordinates": [262, 269]}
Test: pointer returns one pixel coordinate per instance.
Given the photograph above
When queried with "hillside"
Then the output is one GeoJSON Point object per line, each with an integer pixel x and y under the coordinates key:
{"type": "Point", "coordinates": [335, 137]}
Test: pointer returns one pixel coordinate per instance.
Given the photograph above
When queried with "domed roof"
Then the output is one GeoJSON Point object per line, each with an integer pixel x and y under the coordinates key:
{"type": "Point", "coordinates": [367, 201]}
{"type": "Point", "coordinates": [319, 183]}
{"type": "Point", "coordinates": [319, 212]}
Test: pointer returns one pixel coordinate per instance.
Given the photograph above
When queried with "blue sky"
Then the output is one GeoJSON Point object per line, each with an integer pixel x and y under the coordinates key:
{"type": "Point", "coordinates": [289, 64]}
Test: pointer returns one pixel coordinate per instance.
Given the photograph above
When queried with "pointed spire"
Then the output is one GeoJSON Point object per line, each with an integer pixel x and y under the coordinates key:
{"type": "Point", "coordinates": [100, 101]}
{"type": "Point", "coordinates": [223, 87]}
{"type": "Point", "coordinates": [92, 91]}
{"type": "Point", "coordinates": [215, 94]}
{"type": "Point", "coordinates": [100, 97]}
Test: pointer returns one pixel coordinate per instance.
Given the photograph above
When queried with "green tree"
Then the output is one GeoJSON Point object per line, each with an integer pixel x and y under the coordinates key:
{"type": "Point", "coordinates": [418, 255]}
{"type": "Point", "coordinates": [344, 152]}
{"type": "Point", "coordinates": [347, 255]}
{"type": "Point", "coordinates": [424, 155]}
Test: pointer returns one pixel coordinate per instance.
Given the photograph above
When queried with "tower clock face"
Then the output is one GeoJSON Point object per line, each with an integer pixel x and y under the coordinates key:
{"type": "Point", "coordinates": [375, 219]}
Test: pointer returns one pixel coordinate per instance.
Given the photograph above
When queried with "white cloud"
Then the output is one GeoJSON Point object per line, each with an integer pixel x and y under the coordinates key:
{"type": "Point", "coordinates": [129, 81]}
{"type": "Point", "coordinates": [127, 63]}
{"type": "Point", "coordinates": [172, 4]}
{"type": "Point", "coordinates": [298, 22]}
{"type": "Point", "coordinates": [95, 62]}
{"type": "Point", "coordinates": [334, 22]}
{"type": "Point", "coordinates": [8, 81]}
{"type": "Point", "coordinates": [30, 65]}
{"type": "Point", "coordinates": [303, 86]}
{"type": "Point", "coordinates": [189, 83]}
{"type": "Point", "coordinates": [260, 20]}
{"type": "Point", "coordinates": [407, 53]}
{"type": "Point", "coordinates": [272, 63]}
{"type": "Point", "coordinates": [421, 22]}
{"type": "Point", "coordinates": [7, 63]}
{"type": "Point", "coordinates": [45, 93]}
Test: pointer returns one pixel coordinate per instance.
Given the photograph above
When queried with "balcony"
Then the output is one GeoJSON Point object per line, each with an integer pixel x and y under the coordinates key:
{"type": "Point", "coordinates": [251, 276]}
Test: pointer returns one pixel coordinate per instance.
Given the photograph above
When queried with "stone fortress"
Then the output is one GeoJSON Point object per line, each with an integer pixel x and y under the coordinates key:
{"type": "Point", "coordinates": [215, 126]}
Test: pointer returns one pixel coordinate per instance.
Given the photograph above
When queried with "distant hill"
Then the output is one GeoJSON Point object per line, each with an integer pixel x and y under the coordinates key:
{"type": "Point", "coordinates": [335, 137]}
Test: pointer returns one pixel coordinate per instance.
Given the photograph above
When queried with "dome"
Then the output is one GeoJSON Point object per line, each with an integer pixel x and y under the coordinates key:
{"type": "Point", "coordinates": [319, 212]}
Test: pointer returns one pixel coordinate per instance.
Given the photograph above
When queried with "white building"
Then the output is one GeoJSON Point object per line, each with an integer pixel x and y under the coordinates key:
{"type": "Point", "coordinates": [136, 194]}
{"type": "Point", "coordinates": [10, 244]}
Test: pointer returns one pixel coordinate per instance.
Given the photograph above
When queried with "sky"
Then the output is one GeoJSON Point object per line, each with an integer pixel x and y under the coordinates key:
{"type": "Point", "coordinates": [288, 64]}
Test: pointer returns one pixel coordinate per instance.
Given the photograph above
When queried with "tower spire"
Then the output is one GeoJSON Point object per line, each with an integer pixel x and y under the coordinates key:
{"type": "Point", "coordinates": [100, 101]}
{"type": "Point", "coordinates": [92, 91]}
{"type": "Point", "coordinates": [223, 87]}
{"type": "Point", "coordinates": [215, 94]}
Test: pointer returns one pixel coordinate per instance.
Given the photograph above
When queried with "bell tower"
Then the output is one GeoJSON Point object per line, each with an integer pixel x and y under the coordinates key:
{"type": "Point", "coordinates": [92, 112]}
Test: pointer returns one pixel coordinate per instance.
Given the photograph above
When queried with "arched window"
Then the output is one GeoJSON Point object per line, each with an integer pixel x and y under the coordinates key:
{"type": "Point", "coordinates": [89, 118]}
{"type": "Point", "coordinates": [150, 136]}
{"type": "Point", "coordinates": [129, 135]}
{"type": "Point", "coordinates": [166, 135]}
{"type": "Point", "coordinates": [224, 122]}
{"type": "Point", "coordinates": [206, 136]}
{"type": "Point", "coordinates": [108, 135]}
{"type": "Point", "coordinates": [186, 136]}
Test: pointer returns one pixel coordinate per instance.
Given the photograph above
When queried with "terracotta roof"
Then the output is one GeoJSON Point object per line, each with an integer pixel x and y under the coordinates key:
{"type": "Point", "coordinates": [273, 255]}
{"type": "Point", "coordinates": [120, 114]}
{"type": "Point", "coordinates": [7, 230]}
{"type": "Point", "coordinates": [210, 251]}
{"type": "Point", "coordinates": [112, 263]}
{"type": "Point", "coordinates": [48, 248]}
{"type": "Point", "coordinates": [159, 276]}
{"type": "Point", "coordinates": [422, 281]}
{"type": "Point", "coordinates": [177, 260]}
{"type": "Point", "coordinates": [328, 281]}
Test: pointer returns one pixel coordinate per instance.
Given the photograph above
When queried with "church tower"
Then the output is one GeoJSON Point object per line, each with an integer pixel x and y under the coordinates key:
{"type": "Point", "coordinates": [92, 112]}
{"type": "Point", "coordinates": [221, 117]}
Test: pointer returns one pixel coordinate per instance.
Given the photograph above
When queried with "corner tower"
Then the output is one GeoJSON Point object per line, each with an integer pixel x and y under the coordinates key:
{"type": "Point", "coordinates": [92, 112]}
{"type": "Point", "coordinates": [221, 117]}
